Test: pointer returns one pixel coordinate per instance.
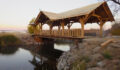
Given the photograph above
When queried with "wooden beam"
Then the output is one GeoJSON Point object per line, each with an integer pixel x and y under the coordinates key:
{"type": "Point", "coordinates": [59, 30]}
{"type": "Point", "coordinates": [101, 27]}
{"type": "Point", "coordinates": [68, 30]}
{"type": "Point", "coordinates": [50, 28]}
{"type": "Point", "coordinates": [106, 10]}
{"type": "Point", "coordinates": [88, 16]}
{"type": "Point", "coordinates": [37, 18]}
{"type": "Point", "coordinates": [40, 25]}
{"type": "Point", "coordinates": [62, 24]}
{"type": "Point", "coordinates": [82, 27]}
{"type": "Point", "coordinates": [103, 45]}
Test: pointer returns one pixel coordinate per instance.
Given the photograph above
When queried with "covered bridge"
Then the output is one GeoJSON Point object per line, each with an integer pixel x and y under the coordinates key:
{"type": "Point", "coordinates": [95, 13]}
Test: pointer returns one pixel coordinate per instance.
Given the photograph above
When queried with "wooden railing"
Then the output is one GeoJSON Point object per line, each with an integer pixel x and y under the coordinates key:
{"type": "Point", "coordinates": [60, 33]}
{"type": "Point", "coordinates": [67, 33]}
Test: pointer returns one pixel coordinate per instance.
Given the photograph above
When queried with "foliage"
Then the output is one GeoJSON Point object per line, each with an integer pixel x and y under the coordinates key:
{"type": "Point", "coordinates": [9, 40]}
{"type": "Point", "coordinates": [107, 54]}
{"type": "Point", "coordinates": [79, 65]}
{"type": "Point", "coordinates": [30, 29]}
{"type": "Point", "coordinates": [32, 20]}
{"type": "Point", "coordinates": [115, 1]}
{"type": "Point", "coordinates": [115, 30]}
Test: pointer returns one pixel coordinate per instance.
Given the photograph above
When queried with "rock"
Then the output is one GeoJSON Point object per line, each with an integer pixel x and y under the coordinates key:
{"type": "Point", "coordinates": [97, 49]}
{"type": "Point", "coordinates": [97, 57]}
{"type": "Point", "coordinates": [91, 52]}
{"type": "Point", "coordinates": [95, 68]}
{"type": "Point", "coordinates": [92, 63]}
{"type": "Point", "coordinates": [116, 61]}
{"type": "Point", "coordinates": [115, 45]}
{"type": "Point", "coordinates": [101, 64]}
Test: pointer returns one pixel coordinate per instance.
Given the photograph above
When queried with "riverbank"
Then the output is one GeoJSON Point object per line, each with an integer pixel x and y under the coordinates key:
{"type": "Point", "coordinates": [25, 38]}
{"type": "Point", "coordinates": [90, 56]}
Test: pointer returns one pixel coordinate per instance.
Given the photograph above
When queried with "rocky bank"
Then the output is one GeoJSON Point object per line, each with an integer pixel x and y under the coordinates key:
{"type": "Point", "coordinates": [90, 56]}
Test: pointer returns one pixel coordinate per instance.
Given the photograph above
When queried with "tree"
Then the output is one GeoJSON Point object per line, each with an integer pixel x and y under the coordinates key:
{"type": "Point", "coordinates": [115, 30]}
{"type": "Point", "coordinates": [32, 20]}
{"type": "Point", "coordinates": [30, 27]}
{"type": "Point", "coordinates": [115, 1]}
{"type": "Point", "coordinates": [114, 5]}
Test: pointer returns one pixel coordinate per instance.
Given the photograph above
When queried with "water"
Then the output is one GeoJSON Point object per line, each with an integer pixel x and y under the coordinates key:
{"type": "Point", "coordinates": [17, 58]}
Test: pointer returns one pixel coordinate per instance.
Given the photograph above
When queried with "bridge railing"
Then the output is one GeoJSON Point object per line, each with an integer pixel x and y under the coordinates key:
{"type": "Point", "coordinates": [67, 33]}
{"type": "Point", "coordinates": [60, 33]}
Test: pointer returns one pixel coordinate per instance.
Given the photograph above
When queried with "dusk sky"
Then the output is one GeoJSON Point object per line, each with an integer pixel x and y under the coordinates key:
{"type": "Point", "coordinates": [16, 14]}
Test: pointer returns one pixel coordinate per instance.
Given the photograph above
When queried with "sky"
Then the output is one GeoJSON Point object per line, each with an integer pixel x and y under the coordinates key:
{"type": "Point", "coordinates": [16, 14]}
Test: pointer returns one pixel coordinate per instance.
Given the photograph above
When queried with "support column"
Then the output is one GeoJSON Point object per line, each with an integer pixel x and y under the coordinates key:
{"type": "Point", "coordinates": [68, 30]}
{"type": "Point", "coordinates": [51, 29]}
{"type": "Point", "coordinates": [40, 28]}
{"type": "Point", "coordinates": [59, 30]}
{"type": "Point", "coordinates": [82, 27]}
{"type": "Point", "coordinates": [62, 24]}
{"type": "Point", "coordinates": [101, 28]}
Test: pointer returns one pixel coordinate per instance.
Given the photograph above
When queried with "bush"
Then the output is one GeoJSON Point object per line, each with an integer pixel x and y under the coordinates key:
{"type": "Point", "coordinates": [79, 65]}
{"type": "Point", "coordinates": [30, 29]}
{"type": "Point", "coordinates": [115, 30]}
{"type": "Point", "coordinates": [9, 40]}
{"type": "Point", "coordinates": [107, 54]}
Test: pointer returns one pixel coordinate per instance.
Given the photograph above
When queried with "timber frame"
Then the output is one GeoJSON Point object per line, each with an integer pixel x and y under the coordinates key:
{"type": "Point", "coordinates": [95, 13]}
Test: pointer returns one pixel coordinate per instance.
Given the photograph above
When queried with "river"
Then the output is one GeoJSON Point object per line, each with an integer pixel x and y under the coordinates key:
{"type": "Point", "coordinates": [17, 58]}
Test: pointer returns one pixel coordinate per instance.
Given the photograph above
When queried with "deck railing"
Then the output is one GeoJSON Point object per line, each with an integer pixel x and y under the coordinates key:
{"type": "Point", "coordinates": [66, 33]}
{"type": "Point", "coordinates": [59, 33]}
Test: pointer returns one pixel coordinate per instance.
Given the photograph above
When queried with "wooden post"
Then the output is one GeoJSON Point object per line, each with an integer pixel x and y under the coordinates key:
{"type": "Point", "coordinates": [51, 29]}
{"type": "Point", "coordinates": [40, 28]}
{"type": "Point", "coordinates": [82, 27]}
{"type": "Point", "coordinates": [59, 30]}
{"type": "Point", "coordinates": [101, 28]}
{"type": "Point", "coordinates": [68, 30]}
{"type": "Point", "coordinates": [62, 24]}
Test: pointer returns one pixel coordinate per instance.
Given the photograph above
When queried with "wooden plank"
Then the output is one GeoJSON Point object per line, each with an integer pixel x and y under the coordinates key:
{"type": "Point", "coordinates": [103, 45]}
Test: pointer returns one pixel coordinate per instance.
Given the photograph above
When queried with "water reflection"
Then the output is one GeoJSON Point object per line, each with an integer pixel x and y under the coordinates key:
{"type": "Point", "coordinates": [48, 57]}
{"type": "Point", "coordinates": [42, 57]}
{"type": "Point", "coordinates": [8, 50]}
{"type": "Point", "coordinates": [63, 47]}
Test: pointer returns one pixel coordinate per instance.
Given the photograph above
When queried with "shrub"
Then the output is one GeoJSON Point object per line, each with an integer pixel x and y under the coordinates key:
{"type": "Point", "coordinates": [30, 29]}
{"type": "Point", "coordinates": [9, 40]}
{"type": "Point", "coordinates": [107, 54]}
{"type": "Point", "coordinates": [115, 30]}
{"type": "Point", "coordinates": [79, 65]}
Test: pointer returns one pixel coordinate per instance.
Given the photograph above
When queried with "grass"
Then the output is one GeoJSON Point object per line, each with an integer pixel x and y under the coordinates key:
{"type": "Point", "coordinates": [9, 40]}
{"type": "Point", "coordinates": [79, 65]}
{"type": "Point", "coordinates": [107, 54]}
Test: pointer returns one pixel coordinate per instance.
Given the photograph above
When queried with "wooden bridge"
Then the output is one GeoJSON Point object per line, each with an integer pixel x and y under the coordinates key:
{"type": "Point", "coordinates": [95, 13]}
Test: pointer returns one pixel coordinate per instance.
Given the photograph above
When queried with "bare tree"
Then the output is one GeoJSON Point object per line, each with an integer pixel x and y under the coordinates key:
{"type": "Point", "coordinates": [115, 1]}
{"type": "Point", "coordinates": [114, 5]}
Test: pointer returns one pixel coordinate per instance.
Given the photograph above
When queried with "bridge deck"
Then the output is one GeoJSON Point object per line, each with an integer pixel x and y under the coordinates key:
{"type": "Point", "coordinates": [56, 37]}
